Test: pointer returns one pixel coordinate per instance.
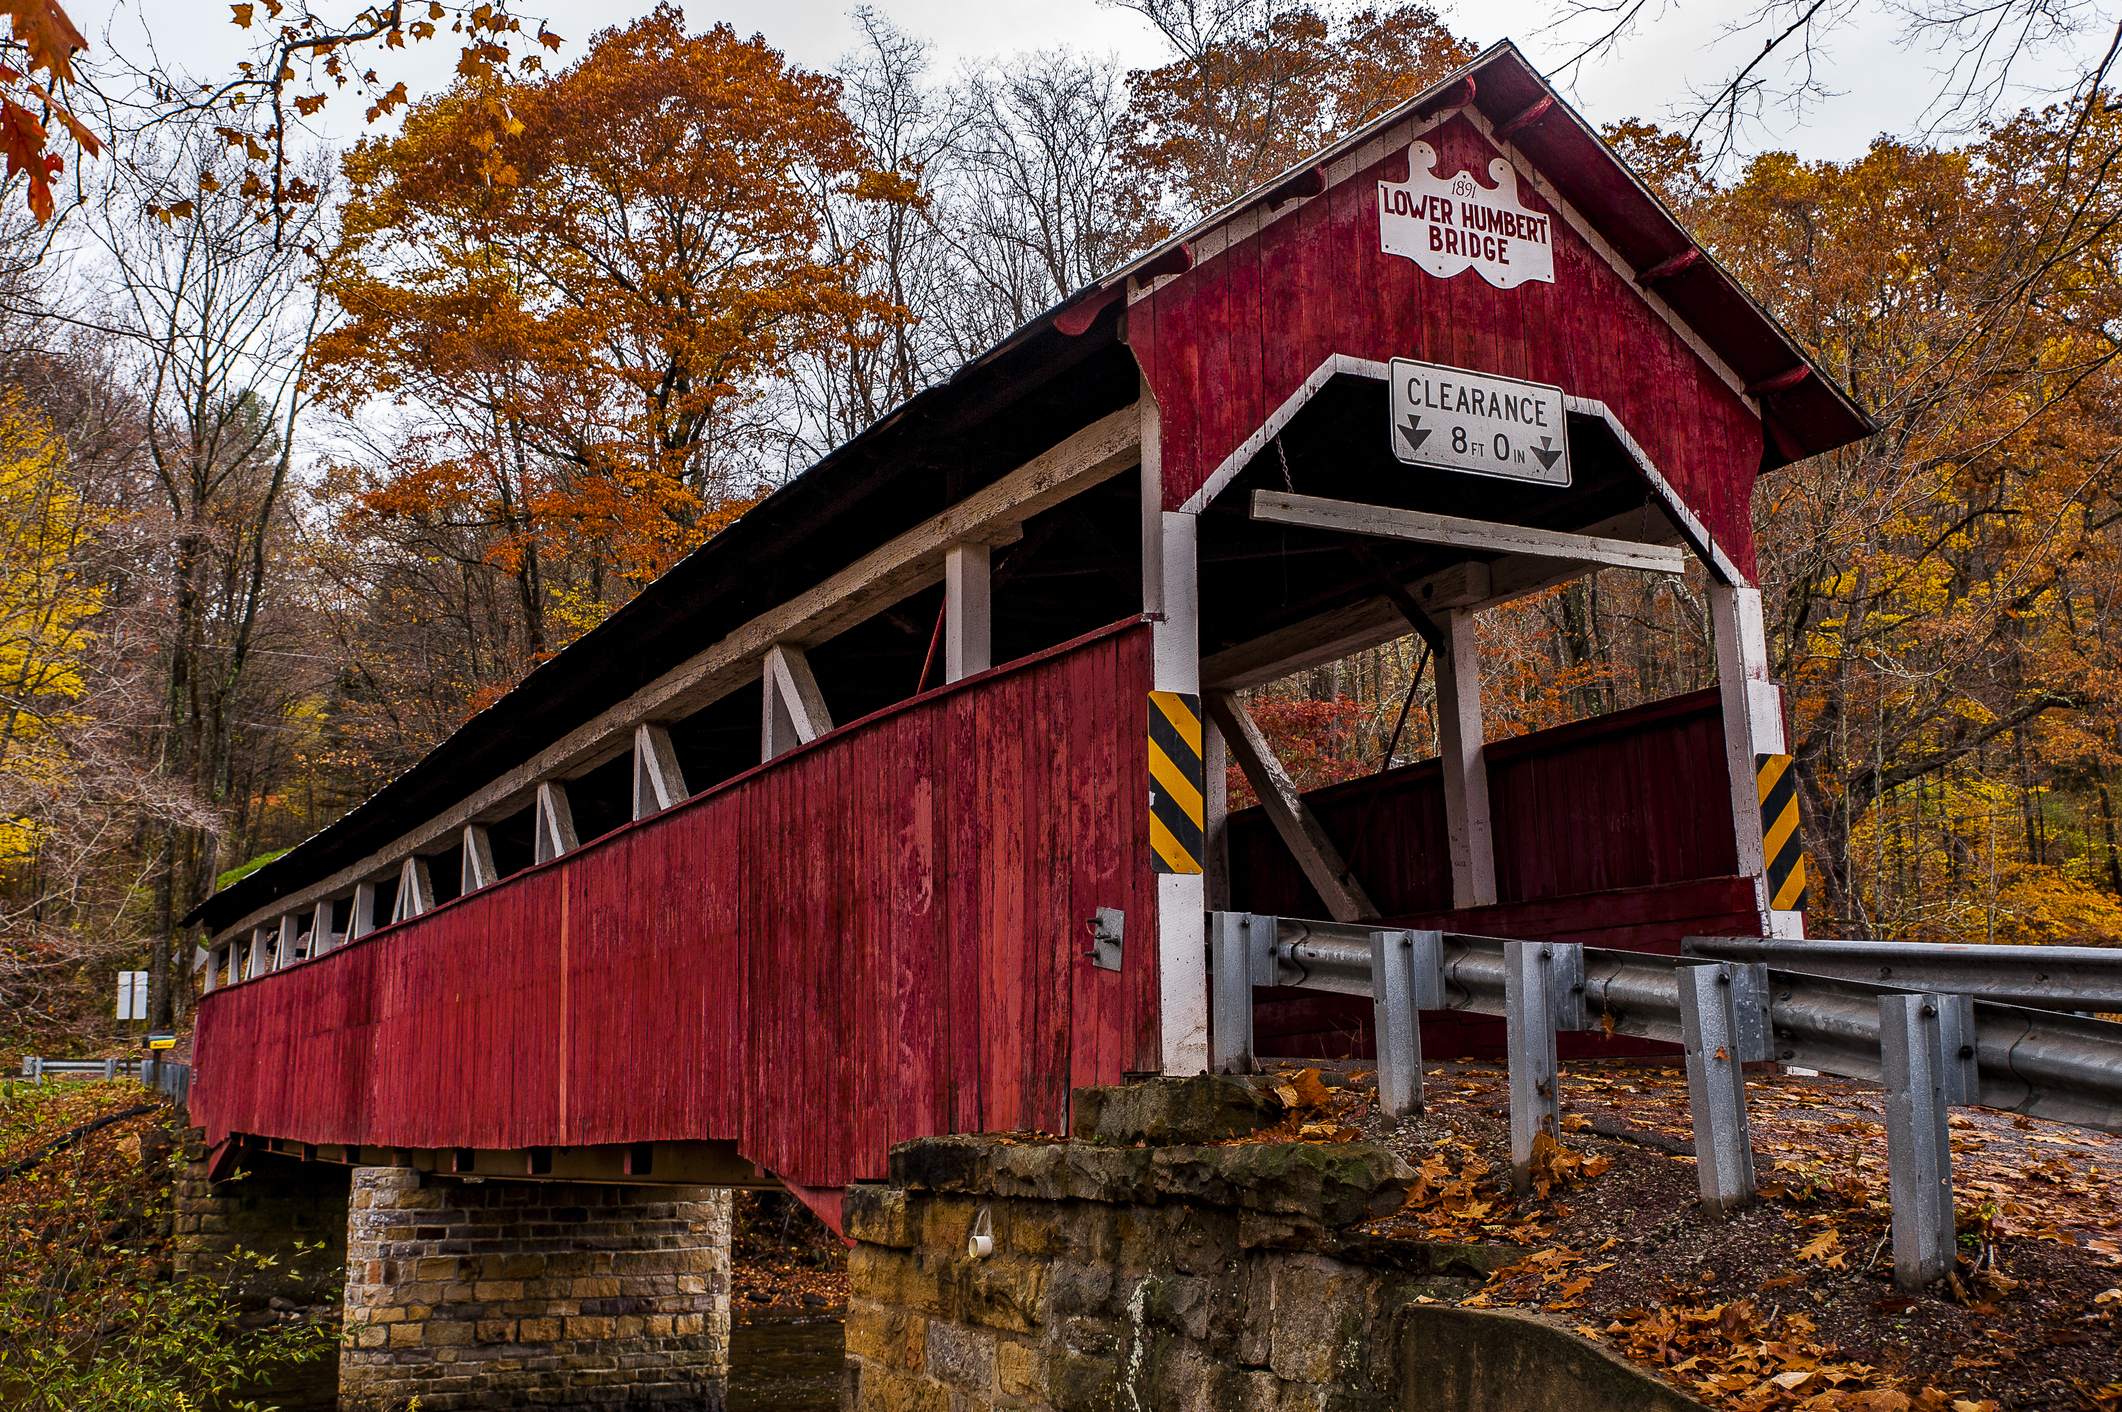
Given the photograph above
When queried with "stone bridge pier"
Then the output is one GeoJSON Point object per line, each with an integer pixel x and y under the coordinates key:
{"type": "Point", "coordinates": [470, 1293]}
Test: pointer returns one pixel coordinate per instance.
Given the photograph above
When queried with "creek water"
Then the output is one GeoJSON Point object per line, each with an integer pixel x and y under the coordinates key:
{"type": "Point", "coordinates": [781, 1360]}
{"type": "Point", "coordinates": [787, 1360]}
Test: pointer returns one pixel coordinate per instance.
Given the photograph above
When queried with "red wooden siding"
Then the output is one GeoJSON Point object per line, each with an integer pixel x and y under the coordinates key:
{"type": "Point", "coordinates": [875, 938]}
{"type": "Point", "coordinates": [1636, 799]}
{"type": "Point", "coordinates": [1613, 832]}
{"type": "Point", "coordinates": [1225, 344]}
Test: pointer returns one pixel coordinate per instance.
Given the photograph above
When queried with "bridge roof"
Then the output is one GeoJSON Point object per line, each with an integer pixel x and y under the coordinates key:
{"type": "Point", "coordinates": [1050, 378]}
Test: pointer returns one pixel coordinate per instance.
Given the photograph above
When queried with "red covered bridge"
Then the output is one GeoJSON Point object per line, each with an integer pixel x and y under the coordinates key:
{"type": "Point", "coordinates": [744, 887]}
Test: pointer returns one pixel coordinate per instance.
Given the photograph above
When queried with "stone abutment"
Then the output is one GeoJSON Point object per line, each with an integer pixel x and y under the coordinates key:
{"type": "Point", "coordinates": [468, 1295]}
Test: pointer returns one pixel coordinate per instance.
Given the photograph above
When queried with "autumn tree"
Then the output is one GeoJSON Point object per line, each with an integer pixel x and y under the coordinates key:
{"type": "Point", "coordinates": [213, 317]}
{"type": "Point", "coordinates": [576, 293]}
{"type": "Point", "coordinates": [1259, 85]}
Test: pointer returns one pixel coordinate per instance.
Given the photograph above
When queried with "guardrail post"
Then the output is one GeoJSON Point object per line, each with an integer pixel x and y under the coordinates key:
{"type": "Point", "coordinates": [1230, 969]}
{"type": "Point", "coordinates": [1710, 1030]}
{"type": "Point", "coordinates": [1919, 1157]}
{"type": "Point", "coordinates": [1529, 1034]}
{"type": "Point", "coordinates": [1407, 977]}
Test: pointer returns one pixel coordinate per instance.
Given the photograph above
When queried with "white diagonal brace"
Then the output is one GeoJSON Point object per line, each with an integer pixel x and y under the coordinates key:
{"type": "Point", "coordinates": [552, 823]}
{"type": "Point", "coordinates": [478, 862]}
{"type": "Point", "coordinates": [362, 919]}
{"type": "Point", "coordinates": [793, 708]}
{"type": "Point", "coordinates": [416, 890]}
{"type": "Point", "coordinates": [658, 782]}
{"type": "Point", "coordinates": [1323, 866]}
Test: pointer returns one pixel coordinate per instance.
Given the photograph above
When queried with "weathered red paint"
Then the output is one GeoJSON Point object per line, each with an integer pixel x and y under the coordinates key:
{"type": "Point", "coordinates": [1637, 799]}
{"type": "Point", "coordinates": [1613, 832]}
{"type": "Point", "coordinates": [874, 938]}
{"type": "Point", "coordinates": [1226, 343]}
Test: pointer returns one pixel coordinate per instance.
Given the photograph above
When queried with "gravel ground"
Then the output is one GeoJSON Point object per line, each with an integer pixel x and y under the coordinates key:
{"type": "Point", "coordinates": [1792, 1303]}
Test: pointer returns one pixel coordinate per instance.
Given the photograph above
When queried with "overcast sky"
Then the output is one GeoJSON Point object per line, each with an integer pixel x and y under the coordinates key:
{"type": "Point", "coordinates": [1882, 88]}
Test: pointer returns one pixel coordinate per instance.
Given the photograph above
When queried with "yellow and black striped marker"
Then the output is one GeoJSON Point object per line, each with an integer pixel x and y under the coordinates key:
{"type": "Point", "coordinates": [1778, 782]}
{"type": "Point", "coordinates": [1176, 830]}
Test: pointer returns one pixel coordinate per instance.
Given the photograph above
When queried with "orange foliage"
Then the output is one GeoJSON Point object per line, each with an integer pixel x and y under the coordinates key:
{"type": "Point", "coordinates": [1229, 115]}
{"type": "Point", "coordinates": [1318, 742]}
{"type": "Point", "coordinates": [307, 53]}
{"type": "Point", "coordinates": [582, 283]}
{"type": "Point", "coordinates": [42, 40]}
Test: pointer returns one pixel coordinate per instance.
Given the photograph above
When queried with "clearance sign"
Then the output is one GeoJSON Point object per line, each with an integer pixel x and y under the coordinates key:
{"type": "Point", "coordinates": [1450, 225]}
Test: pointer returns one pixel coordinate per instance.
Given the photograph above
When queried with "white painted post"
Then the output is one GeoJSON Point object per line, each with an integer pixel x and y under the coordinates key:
{"type": "Point", "coordinates": [213, 968]}
{"type": "Point", "coordinates": [794, 709]}
{"type": "Point", "coordinates": [321, 929]}
{"type": "Point", "coordinates": [658, 782]}
{"type": "Point", "coordinates": [1919, 1154]}
{"type": "Point", "coordinates": [1215, 813]}
{"type": "Point", "coordinates": [253, 963]}
{"type": "Point", "coordinates": [290, 935]}
{"type": "Point", "coordinates": [362, 919]}
{"type": "Point", "coordinates": [416, 890]}
{"type": "Point", "coordinates": [1716, 1087]}
{"type": "Point", "coordinates": [1461, 744]}
{"type": "Point", "coordinates": [1753, 725]}
{"type": "Point", "coordinates": [553, 822]}
{"type": "Point", "coordinates": [1529, 1036]}
{"type": "Point", "coordinates": [967, 611]}
{"type": "Point", "coordinates": [1169, 598]}
{"type": "Point", "coordinates": [478, 860]}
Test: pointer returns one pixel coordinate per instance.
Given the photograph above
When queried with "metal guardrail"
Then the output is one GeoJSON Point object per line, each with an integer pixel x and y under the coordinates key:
{"type": "Point", "coordinates": [1929, 1048]}
{"type": "Point", "coordinates": [172, 1080]}
{"type": "Point", "coordinates": [2039, 977]}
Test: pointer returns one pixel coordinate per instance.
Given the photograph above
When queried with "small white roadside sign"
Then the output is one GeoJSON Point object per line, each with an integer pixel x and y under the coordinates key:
{"type": "Point", "coordinates": [132, 995]}
{"type": "Point", "coordinates": [1459, 420]}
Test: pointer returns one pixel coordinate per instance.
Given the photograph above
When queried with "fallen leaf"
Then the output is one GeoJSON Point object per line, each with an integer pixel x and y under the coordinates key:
{"type": "Point", "coordinates": [1823, 1247]}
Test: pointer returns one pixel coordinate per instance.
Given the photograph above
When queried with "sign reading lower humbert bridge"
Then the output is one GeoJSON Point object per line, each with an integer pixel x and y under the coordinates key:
{"type": "Point", "coordinates": [1458, 420]}
{"type": "Point", "coordinates": [1449, 225]}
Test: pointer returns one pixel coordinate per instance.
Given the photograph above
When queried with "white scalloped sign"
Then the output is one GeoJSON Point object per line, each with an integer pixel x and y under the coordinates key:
{"type": "Point", "coordinates": [1449, 226]}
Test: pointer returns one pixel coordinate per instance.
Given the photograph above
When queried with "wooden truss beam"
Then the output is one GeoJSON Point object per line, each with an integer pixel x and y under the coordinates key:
{"type": "Point", "coordinates": [1334, 634]}
{"type": "Point", "coordinates": [1480, 536]}
{"type": "Point", "coordinates": [658, 782]}
{"type": "Point", "coordinates": [552, 823]}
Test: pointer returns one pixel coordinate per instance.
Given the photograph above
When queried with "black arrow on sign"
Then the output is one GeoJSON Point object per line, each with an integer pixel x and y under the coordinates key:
{"type": "Point", "coordinates": [1547, 457]}
{"type": "Point", "coordinates": [1415, 433]}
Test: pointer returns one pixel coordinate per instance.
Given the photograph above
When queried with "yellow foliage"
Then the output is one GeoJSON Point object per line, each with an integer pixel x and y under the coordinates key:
{"type": "Point", "coordinates": [46, 606]}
